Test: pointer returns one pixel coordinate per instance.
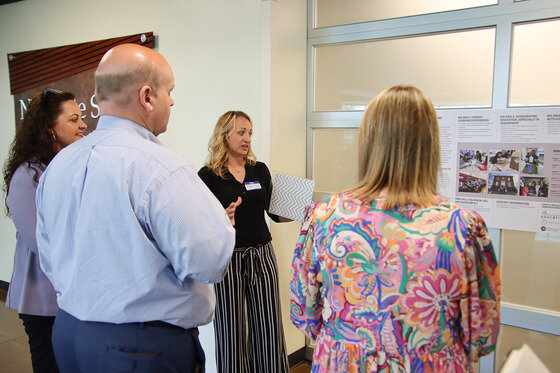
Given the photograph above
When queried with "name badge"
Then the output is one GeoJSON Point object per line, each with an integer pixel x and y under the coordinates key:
{"type": "Point", "coordinates": [252, 185]}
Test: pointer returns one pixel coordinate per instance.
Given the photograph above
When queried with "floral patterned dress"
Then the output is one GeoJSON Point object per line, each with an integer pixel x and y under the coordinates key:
{"type": "Point", "coordinates": [409, 289]}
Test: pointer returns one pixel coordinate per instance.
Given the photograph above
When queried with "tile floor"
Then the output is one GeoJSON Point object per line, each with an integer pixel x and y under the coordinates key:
{"type": "Point", "coordinates": [302, 368]}
{"type": "Point", "coordinates": [14, 350]}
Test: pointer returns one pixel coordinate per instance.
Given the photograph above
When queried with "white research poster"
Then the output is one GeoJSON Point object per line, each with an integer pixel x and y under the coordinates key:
{"type": "Point", "coordinates": [503, 164]}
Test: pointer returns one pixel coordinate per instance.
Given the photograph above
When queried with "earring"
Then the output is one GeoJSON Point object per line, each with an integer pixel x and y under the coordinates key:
{"type": "Point", "coordinates": [54, 136]}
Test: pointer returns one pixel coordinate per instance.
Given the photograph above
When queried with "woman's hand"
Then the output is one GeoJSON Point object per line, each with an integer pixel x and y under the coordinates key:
{"type": "Point", "coordinates": [230, 210]}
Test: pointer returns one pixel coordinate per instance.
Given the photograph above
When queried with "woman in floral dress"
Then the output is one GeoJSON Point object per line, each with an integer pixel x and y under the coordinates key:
{"type": "Point", "coordinates": [390, 276]}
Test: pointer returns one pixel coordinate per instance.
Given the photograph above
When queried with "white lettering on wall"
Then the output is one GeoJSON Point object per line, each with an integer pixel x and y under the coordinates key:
{"type": "Point", "coordinates": [93, 112]}
{"type": "Point", "coordinates": [82, 108]}
{"type": "Point", "coordinates": [95, 106]}
{"type": "Point", "coordinates": [22, 107]}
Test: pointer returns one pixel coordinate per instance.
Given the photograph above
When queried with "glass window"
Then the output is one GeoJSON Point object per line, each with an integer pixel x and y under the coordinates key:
{"type": "Point", "coordinates": [535, 76]}
{"type": "Point", "coordinates": [335, 159]}
{"type": "Point", "coordinates": [530, 275]}
{"type": "Point", "coordinates": [545, 346]}
{"type": "Point", "coordinates": [340, 12]}
{"type": "Point", "coordinates": [453, 69]}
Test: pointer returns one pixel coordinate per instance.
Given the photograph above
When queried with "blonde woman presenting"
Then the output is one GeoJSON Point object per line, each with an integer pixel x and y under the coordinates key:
{"type": "Point", "coordinates": [247, 300]}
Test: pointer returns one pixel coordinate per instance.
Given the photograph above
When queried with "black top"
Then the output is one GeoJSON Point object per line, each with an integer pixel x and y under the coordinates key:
{"type": "Point", "coordinates": [250, 226]}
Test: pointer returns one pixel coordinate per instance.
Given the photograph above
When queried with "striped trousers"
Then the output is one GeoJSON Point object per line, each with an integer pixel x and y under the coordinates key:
{"type": "Point", "coordinates": [248, 321]}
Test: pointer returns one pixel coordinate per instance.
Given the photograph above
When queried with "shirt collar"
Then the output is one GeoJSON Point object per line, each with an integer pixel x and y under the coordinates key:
{"type": "Point", "coordinates": [110, 122]}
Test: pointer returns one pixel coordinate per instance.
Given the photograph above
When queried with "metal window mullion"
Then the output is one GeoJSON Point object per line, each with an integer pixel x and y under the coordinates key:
{"type": "Point", "coordinates": [309, 153]}
{"type": "Point", "coordinates": [401, 30]}
{"type": "Point", "coordinates": [533, 9]}
{"type": "Point", "coordinates": [330, 118]}
{"type": "Point", "coordinates": [487, 363]}
{"type": "Point", "coordinates": [502, 65]}
{"type": "Point", "coordinates": [417, 20]}
{"type": "Point", "coordinates": [500, 94]}
{"type": "Point", "coordinates": [310, 107]}
{"type": "Point", "coordinates": [310, 15]}
{"type": "Point", "coordinates": [530, 318]}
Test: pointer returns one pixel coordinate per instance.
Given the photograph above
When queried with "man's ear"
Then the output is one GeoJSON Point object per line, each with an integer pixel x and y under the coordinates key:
{"type": "Point", "coordinates": [146, 98]}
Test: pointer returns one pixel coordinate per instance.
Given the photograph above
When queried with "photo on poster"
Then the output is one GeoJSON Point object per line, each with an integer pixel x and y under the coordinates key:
{"type": "Point", "coordinates": [473, 160]}
{"type": "Point", "coordinates": [503, 161]}
{"type": "Point", "coordinates": [532, 161]}
{"type": "Point", "coordinates": [533, 186]}
{"type": "Point", "coordinates": [472, 182]}
{"type": "Point", "coordinates": [503, 183]}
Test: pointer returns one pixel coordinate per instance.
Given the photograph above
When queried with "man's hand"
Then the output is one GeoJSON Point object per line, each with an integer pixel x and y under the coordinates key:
{"type": "Point", "coordinates": [230, 210]}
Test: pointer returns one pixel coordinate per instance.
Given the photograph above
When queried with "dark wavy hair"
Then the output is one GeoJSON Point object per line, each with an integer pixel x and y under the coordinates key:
{"type": "Point", "coordinates": [34, 142]}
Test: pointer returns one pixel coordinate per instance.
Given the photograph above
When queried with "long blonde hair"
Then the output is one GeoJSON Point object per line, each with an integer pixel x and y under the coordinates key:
{"type": "Point", "coordinates": [399, 150]}
{"type": "Point", "coordinates": [218, 144]}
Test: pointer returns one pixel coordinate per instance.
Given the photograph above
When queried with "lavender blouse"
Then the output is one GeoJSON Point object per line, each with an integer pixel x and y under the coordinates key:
{"type": "Point", "coordinates": [30, 291]}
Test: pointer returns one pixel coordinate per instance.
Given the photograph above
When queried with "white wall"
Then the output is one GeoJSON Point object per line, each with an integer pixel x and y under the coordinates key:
{"type": "Point", "coordinates": [220, 52]}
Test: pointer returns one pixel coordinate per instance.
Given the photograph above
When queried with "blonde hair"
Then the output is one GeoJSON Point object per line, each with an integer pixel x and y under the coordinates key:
{"type": "Point", "coordinates": [399, 150]}
{"type": "Point", "coordinates": [218, 144]}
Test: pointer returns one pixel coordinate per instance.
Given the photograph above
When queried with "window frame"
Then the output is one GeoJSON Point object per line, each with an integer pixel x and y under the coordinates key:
{"type": "Point", "coordinates": [502, 17]}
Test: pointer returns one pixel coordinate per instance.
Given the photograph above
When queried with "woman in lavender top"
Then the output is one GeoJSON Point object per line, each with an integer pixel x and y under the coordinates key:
{"type": "Point", "coordinates": [53, 120]}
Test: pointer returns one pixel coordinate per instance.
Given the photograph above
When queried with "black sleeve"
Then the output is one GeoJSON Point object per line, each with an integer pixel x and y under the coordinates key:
{"type": "Point", "coordinates": [216, 185]}
{"type": "Point", "coordinates": [267, 181]}
{"type": "Point", "coordinates": [205, 175]}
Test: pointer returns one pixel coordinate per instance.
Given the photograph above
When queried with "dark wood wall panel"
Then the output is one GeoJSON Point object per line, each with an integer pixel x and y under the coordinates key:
{"type": "Point", "coordinates": [42, 66]}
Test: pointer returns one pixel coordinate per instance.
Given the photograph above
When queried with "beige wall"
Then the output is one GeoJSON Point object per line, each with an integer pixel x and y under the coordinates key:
{"type": "Point", "coordinates": [287, 131]}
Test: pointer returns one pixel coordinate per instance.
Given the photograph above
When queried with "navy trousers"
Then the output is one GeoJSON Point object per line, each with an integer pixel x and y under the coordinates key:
{"type": "Point", "coordinates": [84, 346]}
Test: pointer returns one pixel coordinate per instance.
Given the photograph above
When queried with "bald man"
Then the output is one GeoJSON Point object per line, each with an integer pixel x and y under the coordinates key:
{"type": "Point", "coordinates": [127, 233]}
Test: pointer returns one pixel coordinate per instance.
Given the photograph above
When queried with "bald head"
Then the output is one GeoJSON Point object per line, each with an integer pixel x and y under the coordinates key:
{"type": "Point", "coordinates": [135, 83]}
{"type": "Point", "coordinates": [123, 71]}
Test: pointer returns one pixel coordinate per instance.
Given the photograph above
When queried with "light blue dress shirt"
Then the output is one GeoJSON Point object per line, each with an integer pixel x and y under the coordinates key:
{"type": "Point", "coordinates": [127, 231]}
{"type": "Point", "coordinates": [30, 291]}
